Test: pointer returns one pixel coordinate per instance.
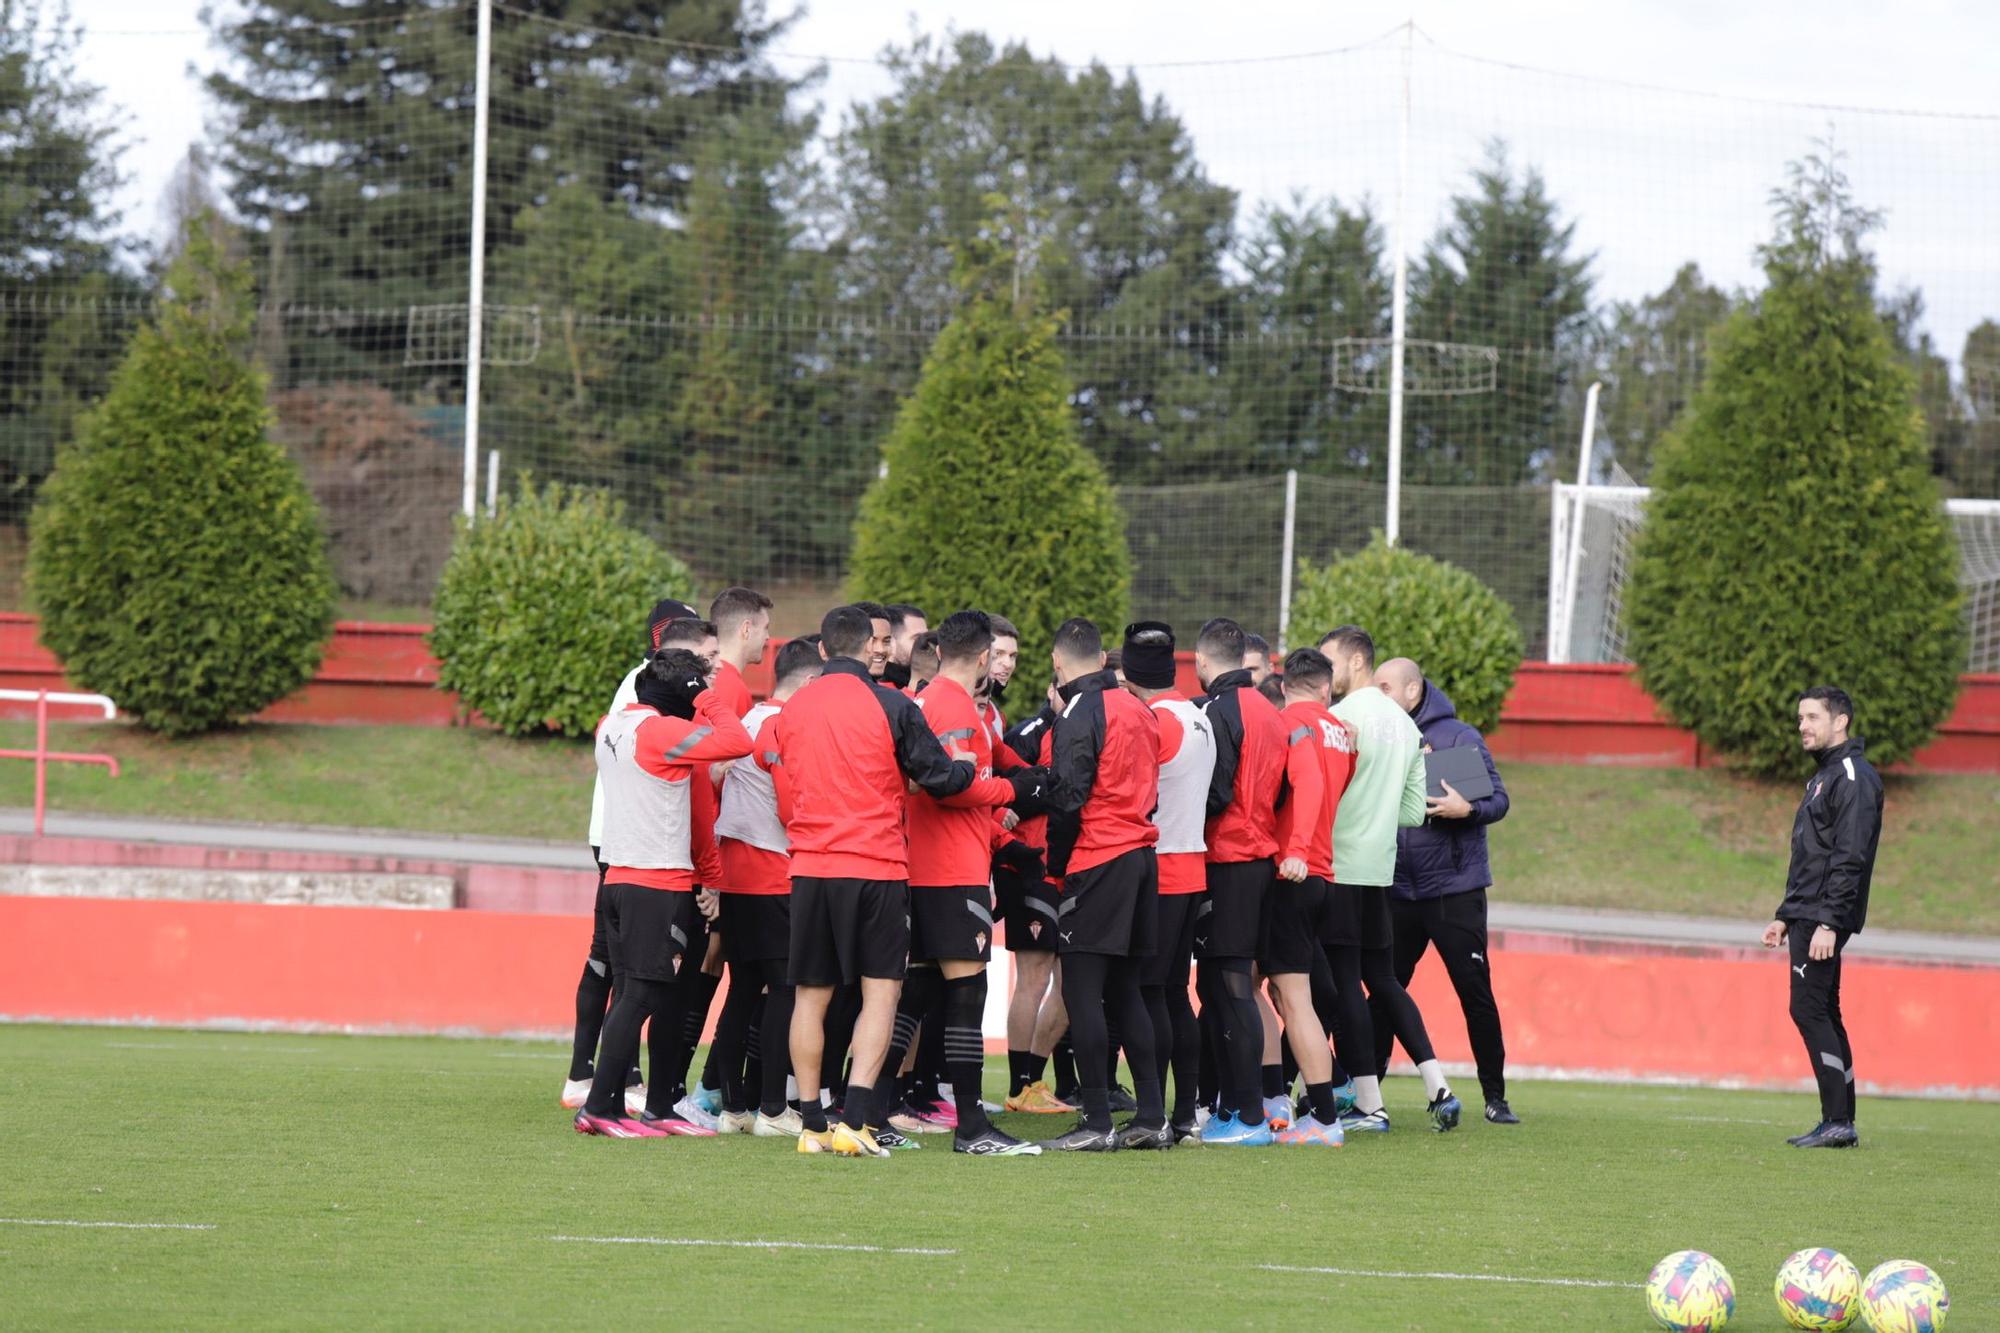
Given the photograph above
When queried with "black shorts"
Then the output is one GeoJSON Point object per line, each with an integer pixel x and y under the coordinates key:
{"type": "Point", "coordinates": [756, 927]}
{"type": "Point", "coordinates": [847, 929]}
{"type": "Point", "coordinates": [952, 922]}
{"type": "Point", "coordinates": [647, 931]}
{"type": "Point", "coordinates": [1168, 964]}
{"type": "Point", "coordinates": [1297, 920]}
{"type": "Point", "coordinates": [1112, 908]}
{"type": "Point", "coordinates": [1027, 910]}
{"type": "Point", "coordinates": [1357, 915]}
{"type": "Point", "coordinates": [1238, 890]}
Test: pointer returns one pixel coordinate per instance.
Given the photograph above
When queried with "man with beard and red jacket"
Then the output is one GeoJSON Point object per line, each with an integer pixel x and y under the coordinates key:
{"type": "Point", "coordinates": [847, 747]}
{"type": "Point", "coordinates": [1242, 850]}
{"type": "Point", "coordinates": [1105, 773]}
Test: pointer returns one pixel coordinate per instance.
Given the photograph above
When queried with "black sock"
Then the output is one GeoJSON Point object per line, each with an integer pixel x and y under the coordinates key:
{"type": "Point", "coordinates": [1320, 1095]}
{"type": "Point", "coordinates": [860, 1099]}
{"type": "Point", "coordinates": [1274, 1080]}
{"type": "Point", "coordinates": [812, 1112]}
{"type": "Point", "coordinates": [965, 1047]}
{"type": "Point", "coordinates": [778, 1064]}
{"type": "Point", "coordinates": [1097, 1109]}
{"type": "Point", "coordinates": [1036, 1066]}
{"type": "Point", "coordinates": [593, 995]}
{"type": "Point", "coordinates": [1065, 1062]}
{"type": "Point", "coordinates": [1018, 1077]}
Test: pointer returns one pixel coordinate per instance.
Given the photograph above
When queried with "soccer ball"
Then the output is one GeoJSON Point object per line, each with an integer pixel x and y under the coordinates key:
{"type": "Point", "coordinates": [1903, 1296]}
{"type": "Point", "coordinates": [1689, 1292]}
{"type": "Point", "coordinates": [1819, 1289]}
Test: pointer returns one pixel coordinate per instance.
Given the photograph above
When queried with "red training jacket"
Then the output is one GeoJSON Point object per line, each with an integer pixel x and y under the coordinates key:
{"type": "Point", "coordinates": [951, 840]}
{"type": "Point", "coordinates": [1319, 762]}
{"type": "Point", "coordinates": [1249, 766]}
{"type": "Point", "coordinates": [1105, 770]}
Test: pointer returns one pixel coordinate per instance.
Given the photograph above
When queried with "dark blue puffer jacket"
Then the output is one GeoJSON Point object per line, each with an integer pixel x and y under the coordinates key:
{"type": "Point", "coordinates": [1446, 856]}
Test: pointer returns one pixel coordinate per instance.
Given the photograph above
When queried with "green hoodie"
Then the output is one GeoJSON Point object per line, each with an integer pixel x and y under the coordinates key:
{"type": "Point", "coordinates": [1386, 792]}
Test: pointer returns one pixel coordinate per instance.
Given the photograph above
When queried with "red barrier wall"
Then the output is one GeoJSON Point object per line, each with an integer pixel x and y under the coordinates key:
{"type": "Point", "coordinates": [1605, 1010]}
{"type": "Point", "coordinates": [384, 674]}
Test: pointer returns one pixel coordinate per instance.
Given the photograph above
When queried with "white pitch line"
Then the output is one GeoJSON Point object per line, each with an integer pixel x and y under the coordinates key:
{"type": "Point", "coordinates": [750, 1244]}
{"type": "Point", "coordinates": [1457, 1277]}
{"type": "Point", "coordinates": [118, 1226]}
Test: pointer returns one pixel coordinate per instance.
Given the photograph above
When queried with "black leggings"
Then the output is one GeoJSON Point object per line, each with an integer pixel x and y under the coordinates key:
{"type": "Point", "coordinates": [639, 999]}
{"type": "Point", "coordinates": [1097, 987]}
{"type": "Point", "coordinates": [730, 1053]}
{"type": "Point", "coordinates": [1176, 1043]}
{"type": "Point", "coordinates": [1228, 991]}
{"type": "Point", "coordinates": [1391, 1009]}
{"type": "Point", "coordinates": [776, 1026]}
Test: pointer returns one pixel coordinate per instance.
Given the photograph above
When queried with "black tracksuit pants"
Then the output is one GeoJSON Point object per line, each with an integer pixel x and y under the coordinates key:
{"type": "Point", "coordinates": [1816, 1014]}
{"type": "Point", "coordinates": [1456, 925]}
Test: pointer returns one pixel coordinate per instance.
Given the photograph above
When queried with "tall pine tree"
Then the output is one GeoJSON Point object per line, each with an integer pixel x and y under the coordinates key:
{"type": "Point", "coordinates": [1795, 536]}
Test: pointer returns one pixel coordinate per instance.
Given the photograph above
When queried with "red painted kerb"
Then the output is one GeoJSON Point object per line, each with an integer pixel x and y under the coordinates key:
{"type": "Point", "coordinates": [378, 674]}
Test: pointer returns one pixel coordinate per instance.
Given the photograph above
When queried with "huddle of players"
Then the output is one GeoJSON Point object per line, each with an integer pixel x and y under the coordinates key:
{"type": "Point", "coordinates": [1128, 832]}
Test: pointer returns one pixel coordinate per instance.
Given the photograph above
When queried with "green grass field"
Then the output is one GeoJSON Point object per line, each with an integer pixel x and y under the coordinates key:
{"type": "Point", "coordinates": [425, 1182]}
{"type": "Point", "coordinates": [1696, 841]}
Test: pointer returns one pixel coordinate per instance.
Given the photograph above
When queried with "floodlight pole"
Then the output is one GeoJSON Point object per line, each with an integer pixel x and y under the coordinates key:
{"type": "Point", "coordinates": [475, 311]}
{"type": "Point", "coordinates": [1392, 526]}
{"type": "Point", "coordinates": [1560, 651]}
{"type": "Point", "coordinates": [1285, 567]}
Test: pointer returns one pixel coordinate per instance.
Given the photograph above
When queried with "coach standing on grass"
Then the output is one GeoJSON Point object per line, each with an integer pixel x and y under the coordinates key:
{"type": "Point", "coordinates": [1826, 899]}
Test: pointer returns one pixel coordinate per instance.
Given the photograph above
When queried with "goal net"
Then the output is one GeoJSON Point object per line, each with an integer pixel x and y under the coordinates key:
{"type": "Point", "coordinates": [1587, 624]}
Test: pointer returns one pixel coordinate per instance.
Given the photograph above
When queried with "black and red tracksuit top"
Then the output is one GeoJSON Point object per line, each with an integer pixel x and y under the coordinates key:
{"type": "Point", "coordinates": [1249, 766]}
{"type": "Point", "coordinates": [952, 839]}
{"type": "Point", "coordinates": [846, 747]}
{"type": "Point", "coordinates": [1104, 770]}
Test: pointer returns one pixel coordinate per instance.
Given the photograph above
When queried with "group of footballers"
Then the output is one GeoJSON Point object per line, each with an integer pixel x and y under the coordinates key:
{"type": "Point", "coordinates": [849, 847]}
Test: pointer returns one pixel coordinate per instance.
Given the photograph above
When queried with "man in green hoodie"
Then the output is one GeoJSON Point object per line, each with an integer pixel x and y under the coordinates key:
{"type": "Point", "coordinates": [1386, 793]}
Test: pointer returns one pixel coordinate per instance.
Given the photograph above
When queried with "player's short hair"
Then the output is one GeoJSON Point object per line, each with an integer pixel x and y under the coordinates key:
{"type": "Point", "coordinates": [900, 613]}
{"type": "Point", "coordinates": [1078, 639]}
{"type": "Point", "coordinates": [1257, 643]}
{"type": "Point", "coordinates": [962, 636]}
{"type": "Point", "coordinates": [733, 606]}
{"type": "Point", "coordinates": [799, 657]}
{"type": "Point", "coordinates": [1272, 687]}
{"type": "Point", "coordinates": [924, 658]}
{"type": "Point", "coordinates": [1347, 640]}
{"type": "Point", "coordinates": [1837, 702]}
{"type": "Point", "coordinates": [1003, 628]}
{"type": "Point", "coordinates": [1221, 641]}
{"type": "Point", "coordinates": [845, 630]}
{"type": "Point", "coordinates": [686, 632]}
{"type": "Point", "coordinates": [874, 611]}
{"type": "Point", "coordinates": [1308, 668]}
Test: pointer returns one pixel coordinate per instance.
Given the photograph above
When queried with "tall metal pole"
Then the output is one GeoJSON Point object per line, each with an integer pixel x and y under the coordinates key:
{"type": "Point", "coordinates": [475, 321]}
{"type": "Point", "coordinates": [1393, 525]}
{"type": "Point", "coordinates": [1285, 567]}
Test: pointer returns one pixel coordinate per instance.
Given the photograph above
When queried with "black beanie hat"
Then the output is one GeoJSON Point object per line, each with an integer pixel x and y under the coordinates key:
{"type": "Point", "coordinates": [665, 612]}
{"type": "Point", "coordinates": [1149, 665]}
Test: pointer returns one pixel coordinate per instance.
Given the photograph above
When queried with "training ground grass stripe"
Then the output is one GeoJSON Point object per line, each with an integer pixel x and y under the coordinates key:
{"type": "Point", "coordinates": [117, 1226]}
{"type": "Point", "coordinates": [1456, 1277]}
{"type": "Point", "coordinates": [751, 1244]}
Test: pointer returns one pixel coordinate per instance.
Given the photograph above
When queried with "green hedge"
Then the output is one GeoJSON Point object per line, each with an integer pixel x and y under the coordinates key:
{"type": "Point", "coordinates": [542, 608]}
{"type": "Point", "coordinates": [1438, 615]}
{"type": "Point", "coordinates": [176, 556]}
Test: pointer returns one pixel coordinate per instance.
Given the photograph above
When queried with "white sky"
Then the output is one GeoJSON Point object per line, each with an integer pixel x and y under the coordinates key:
{"type": "Point", "coordinates": [1653, 178]}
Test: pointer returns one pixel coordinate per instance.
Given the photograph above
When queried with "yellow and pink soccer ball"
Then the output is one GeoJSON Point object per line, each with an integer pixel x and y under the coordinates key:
{"type": "Point", "coordinates": [1819, 1289]}
{"type": "Point", "coordinates": [1903, 1296]}
{"type": "Point", "coordinates": [1690, 1292]}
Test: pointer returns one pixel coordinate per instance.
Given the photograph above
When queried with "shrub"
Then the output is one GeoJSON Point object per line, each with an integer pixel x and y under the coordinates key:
{"type": "Point", "coordinates": [1438, 615]}
{"type": "Point", "coordinates": [175, 554]}
{"type": "Point", "coordinates": [542, 608]}
{"type": "Point", "coordinates": [1794, 535]}
{"type": "Point", "coordinates": [991, 501]}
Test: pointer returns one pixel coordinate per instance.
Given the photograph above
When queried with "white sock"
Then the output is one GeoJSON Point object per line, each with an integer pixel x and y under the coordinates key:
{"type": "Point", "coordinates": [1434, 1084]}
{"type": "Point", "coordinates": [1367, 1093]}
{"type": "Point", "coordinates": [791, 1088]}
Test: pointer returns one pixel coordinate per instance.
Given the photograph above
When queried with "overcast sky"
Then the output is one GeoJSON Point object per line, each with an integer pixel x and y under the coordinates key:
{"type": "Point", "coordinates": [1653, 177]}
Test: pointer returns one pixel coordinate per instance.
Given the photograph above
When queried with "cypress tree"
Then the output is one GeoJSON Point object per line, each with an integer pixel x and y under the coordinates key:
{"type": "Point", "coordinates": [175, 554]}
{"type": "Point", "coordinates": [991, 501]}
{"type": "Point", "coordinates": [1795, 535]}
